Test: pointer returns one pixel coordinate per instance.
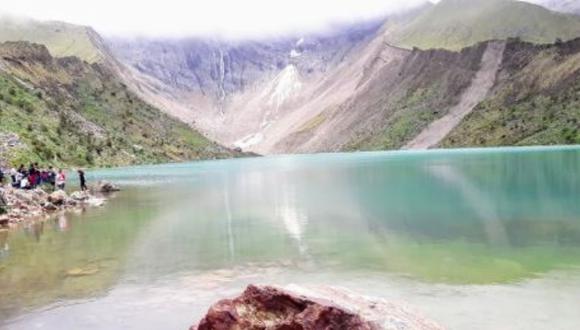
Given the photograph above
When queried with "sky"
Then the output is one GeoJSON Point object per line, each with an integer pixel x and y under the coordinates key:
{"type": "Point", "coordinates": [228, 18]}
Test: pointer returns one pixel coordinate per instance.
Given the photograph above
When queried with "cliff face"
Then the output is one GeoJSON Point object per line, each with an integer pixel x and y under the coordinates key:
{"type": "Point", "coordinates": [67, 111]}
{"type": "Point", "coordinates": [218, 69]}
{"type": "Point", "coordinates": [246, 94]}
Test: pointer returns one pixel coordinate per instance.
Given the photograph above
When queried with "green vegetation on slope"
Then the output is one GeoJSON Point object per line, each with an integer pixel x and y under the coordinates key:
{"type": "Point", "coordinates": [61, 39]}
{"type": "Point", "coordinates": [455, 24]}
{"type": "Point", "coordinates": [536, 100]}
{"type": "Point", "coordinates": [67, 112]}
{"type": "Point", "coordinates": [426, 87]}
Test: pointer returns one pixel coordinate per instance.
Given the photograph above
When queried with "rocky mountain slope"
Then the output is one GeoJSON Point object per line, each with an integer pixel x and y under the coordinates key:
{"type": "Point", "coordinates": [206, 74]}
{"type": "Point", "coordinates": [513, 94]}
{"type": "Point", "coordinates": [535, 101]}
{"type": "Point", "coordinates": [67, 111]}
{"type": "Point", "coordinates": [352, 89]}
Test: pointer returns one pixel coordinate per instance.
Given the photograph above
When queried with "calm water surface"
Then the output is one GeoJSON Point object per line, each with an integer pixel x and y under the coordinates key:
{"type": "Point", "coordinates": [479, 239]}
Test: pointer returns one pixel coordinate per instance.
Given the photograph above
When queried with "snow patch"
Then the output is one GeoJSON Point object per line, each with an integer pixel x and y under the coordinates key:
{"type": "Point", "coordinates": [249, 140]}
{"type": "Point", "coordinates": [286, 84]}
{"type": "Point", "coordinates": [294, 53]}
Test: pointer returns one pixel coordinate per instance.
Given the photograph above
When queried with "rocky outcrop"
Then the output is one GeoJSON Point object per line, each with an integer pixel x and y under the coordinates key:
{"type": "Point", "coordinates": [19, 205]}
{"type": "Point", "coordinates": [302, 309]}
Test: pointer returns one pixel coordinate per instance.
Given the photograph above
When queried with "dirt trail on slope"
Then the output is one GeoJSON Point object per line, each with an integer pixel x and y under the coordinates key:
{"type": "Point", "coordinates": [475, 93]}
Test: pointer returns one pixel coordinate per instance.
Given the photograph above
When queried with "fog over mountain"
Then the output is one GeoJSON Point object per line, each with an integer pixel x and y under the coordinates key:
{"type": "Point", "coordinates": [225, 18]}
{"type": "Point", "coordinates": [564, 6]}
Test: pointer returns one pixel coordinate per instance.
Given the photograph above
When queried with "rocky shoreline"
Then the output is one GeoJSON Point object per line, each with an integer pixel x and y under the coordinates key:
{"type": "Point", "coordinates": [32, 205]}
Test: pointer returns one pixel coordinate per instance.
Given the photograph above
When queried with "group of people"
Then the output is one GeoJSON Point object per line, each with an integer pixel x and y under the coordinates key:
{"type": "Point", "coordinates": [33, 177]}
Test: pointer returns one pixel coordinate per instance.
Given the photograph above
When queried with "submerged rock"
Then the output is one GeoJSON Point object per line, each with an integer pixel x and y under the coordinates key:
{"type": "Point", "coordinates": [79, 272]}
{"type": "Point", "coordinates": [266, 307]}
{"type": "Point", "coordinates": [106, 187]}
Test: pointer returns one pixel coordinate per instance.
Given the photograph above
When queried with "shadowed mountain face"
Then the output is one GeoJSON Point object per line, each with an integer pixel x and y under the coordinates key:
{"type": "Point", "coordinates": [218, 68]}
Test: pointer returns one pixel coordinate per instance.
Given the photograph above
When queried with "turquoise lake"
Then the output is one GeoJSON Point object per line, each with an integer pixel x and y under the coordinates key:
{"type": "Point", "coordinates": [475, 239]}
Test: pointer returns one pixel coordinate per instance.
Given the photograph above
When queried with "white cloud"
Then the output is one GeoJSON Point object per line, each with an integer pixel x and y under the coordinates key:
{"type": "Point", "coordinates": [231, 18]}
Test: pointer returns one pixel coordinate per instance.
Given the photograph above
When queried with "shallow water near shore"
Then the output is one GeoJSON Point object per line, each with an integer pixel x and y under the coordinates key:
{"type": "Point", "coordinates": [475, 239]}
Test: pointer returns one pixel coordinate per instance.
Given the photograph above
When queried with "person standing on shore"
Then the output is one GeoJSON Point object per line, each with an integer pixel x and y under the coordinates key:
{"type": "Point", "coordinates": [18, 176]}
{"type": "Point", "coordinates": [13, 174]}
{"type": "Point", "coordinates": [52, 177]}
{"type": "Point", "coordinates": [82, 180]}
{"type": "Point", "coordinates": [60, 179]}
{"type": "Point", "coordinates": [1, 177]}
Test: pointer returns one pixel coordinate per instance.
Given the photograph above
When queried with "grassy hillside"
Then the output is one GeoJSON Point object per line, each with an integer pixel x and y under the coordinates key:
{"type": "Point", "coordinates": [455, 24]}
{"type": "Point", "coordinates": [66, 111]}
{"type": "Point", "coordinates": [61, 39]}
{"type": "Point", "coordinates": [536, 100]}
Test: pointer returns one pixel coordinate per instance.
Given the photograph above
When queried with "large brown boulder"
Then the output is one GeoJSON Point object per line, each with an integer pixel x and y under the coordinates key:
{"type": "Point", "coordinates": [280, 309]}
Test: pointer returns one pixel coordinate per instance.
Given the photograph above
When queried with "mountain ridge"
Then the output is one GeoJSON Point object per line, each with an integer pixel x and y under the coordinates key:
{"type": "Point", "coordinates": [455, 24]}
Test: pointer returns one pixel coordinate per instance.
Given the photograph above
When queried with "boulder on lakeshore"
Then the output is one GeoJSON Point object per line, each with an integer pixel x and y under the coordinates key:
{"type": "Point", "coordinates": [50, 207]}
{"type": "Point", "coordinates": [266, 307]}
{"type": "Point", "coordinates": [58, 197]}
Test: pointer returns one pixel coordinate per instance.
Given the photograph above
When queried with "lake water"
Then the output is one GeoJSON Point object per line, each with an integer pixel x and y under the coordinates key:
{"type": "Point", "coordinates": [475, 239]}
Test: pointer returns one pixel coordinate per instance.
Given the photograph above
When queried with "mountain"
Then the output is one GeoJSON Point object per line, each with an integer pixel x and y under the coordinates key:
{"type": "Point", "coordinates": [61, 39]}
{"type": "Point", "coordinates": [365, 86]}
{"type": "Point", "coordinates": [563, 6]}
{"type": "Point", "coordinates": [351, 90]}
{"type": "Point", "coordinates": [67, 111]}
{"type": "Point", "coordinates": [455, 24]}
{"type": "Point", "coordinates": [490, 94]}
